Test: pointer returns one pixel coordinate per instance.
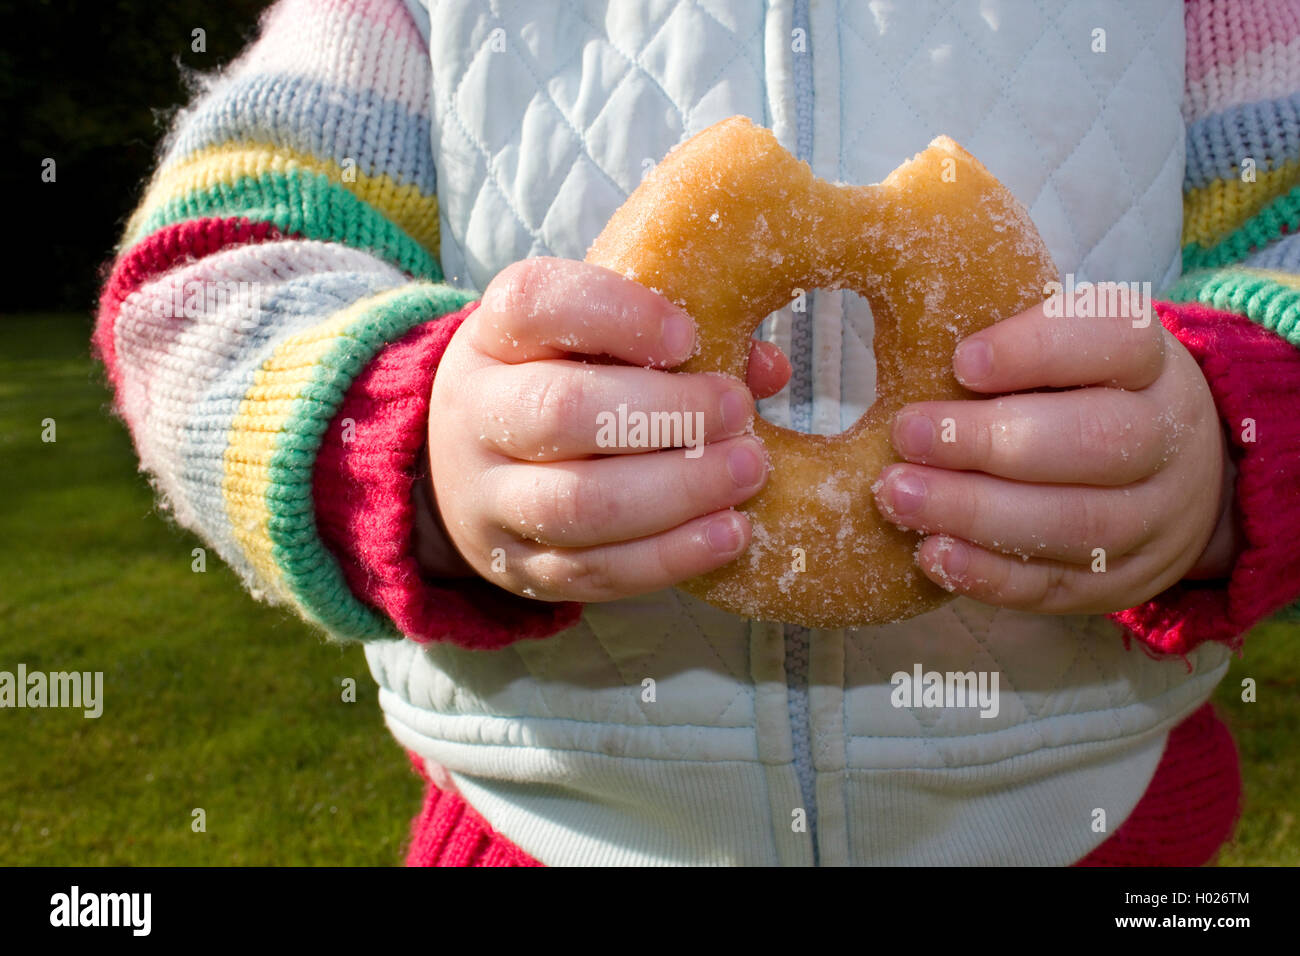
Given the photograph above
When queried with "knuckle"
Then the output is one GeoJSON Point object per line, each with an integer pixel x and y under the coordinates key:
{"type": "Point", "coordinates": [1054, 591]}
{"type": "Point", "coordinates": [666, 556]}
{"type": "Point", "coordinates": [586, 577]}
{"type": "Point", "coordinates": [575, 503]}
{"type": "Point", "coordinates": [999, 578]}
{"type": "Point", "coordinates": [1006, 445]}
{"type": "Point", "coordinates": [957, 504]}
{"type": "Point", "coordinates": [987, 443]}
{"type": "Point", "coordinates": [1143, 344]}
{"type": "Point", "coordinates": [1082, 523]}
{"type": "Point", "coordinates": [551, 403]}
{"type": "Point", "coordinates": [515, 285]}
{"type": "Point", "coordinates": [595, 578]}
{"type": "Point", "coordinates": [547, 574]}
{"type": "Point", "coordinates": [1097, 428]}
{"type": "Point", "coordinates": [1043, 344]}
{"type": "Point", "coordinates": [1133, 530]}
{"type": "Point", "coordinates": [1155, 340]}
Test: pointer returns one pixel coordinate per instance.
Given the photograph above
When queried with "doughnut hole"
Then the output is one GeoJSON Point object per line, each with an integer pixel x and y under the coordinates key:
{"type": "Point", "coordinates": [794, 406]}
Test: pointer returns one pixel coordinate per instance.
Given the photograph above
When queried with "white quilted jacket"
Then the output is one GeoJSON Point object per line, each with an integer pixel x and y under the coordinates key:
{"type": "Point", "coordinates": [766, 744]}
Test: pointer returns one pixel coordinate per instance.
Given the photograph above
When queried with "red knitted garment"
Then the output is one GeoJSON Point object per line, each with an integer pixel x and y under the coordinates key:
{"type": "Point", "coordinates": [365, 515]}
{"type": "Point", "coordinates": [1190, 806]}
{"type": "Point", "coordinates": [1254, 377]}
{"type": "Point", "coordinates": [449, 832]}
{"type": "Point", "coordinates": [1185, 815]}
{"type": "Point", "coordinates": [362, 488]}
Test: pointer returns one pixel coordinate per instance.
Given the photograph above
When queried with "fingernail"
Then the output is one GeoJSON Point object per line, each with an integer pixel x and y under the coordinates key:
{"type": "Point", "coordinates": [678, 335]}
{"type": "Point", "coordinates": [724, 534]}
{"type": "Point", "coordinates": [915, 434]}
{"type": "Point", "coordinates": [972, 361]}
{"type": "Point", "coordinates": [955, 556]}
{"type": "Point", "coordinates": [735, 411]}
{"type": "Point", "coordinates": [907, 494]}
{"type": "Point", "coordinates": [745, 464]}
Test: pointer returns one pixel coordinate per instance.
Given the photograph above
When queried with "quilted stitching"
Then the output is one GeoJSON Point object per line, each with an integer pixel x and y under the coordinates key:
{"type": "Point", "coordinates": [1053, 43]}
{"type": "Point", "coordinates": [541, 170]}
{"type": "Point", "coordinates": [1090, 189]}
{"type": "Point", "coordinates": [594, 168]}
{"type": "Point", "coordinates": [1089, 655]}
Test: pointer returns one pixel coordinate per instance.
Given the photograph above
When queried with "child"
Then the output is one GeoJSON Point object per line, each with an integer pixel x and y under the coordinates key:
{"type": "Point", "coordinates": [385, 190]}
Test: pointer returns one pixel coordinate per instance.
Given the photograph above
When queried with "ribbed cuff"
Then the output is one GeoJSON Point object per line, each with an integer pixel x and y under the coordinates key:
{"type": "Point", "coordinates": [1255, 379]}
{"type": "Point", "coordinates": [449, 832]}
{"type": "Point", "coordinates": [1189, 808]}
{"type": "Point", "coordinates": [363, 483]}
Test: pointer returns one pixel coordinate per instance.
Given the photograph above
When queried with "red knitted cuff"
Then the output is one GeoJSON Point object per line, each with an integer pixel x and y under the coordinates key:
{"type": "Point", "coordinates": [1191, 805]}
{"type": "Point", "coordinates": [1255, 378]}
{"type": "Point", "coordinates": [362, 487]}
{"type": "Point", "coordinates": [449, 832]}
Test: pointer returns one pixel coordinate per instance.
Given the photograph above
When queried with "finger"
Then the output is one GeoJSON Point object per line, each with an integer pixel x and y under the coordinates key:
{"type": "Point", "coordinates": [1096, 436]}
{"type": "Point", "coordinates": [1035, 350]}
{"type": "Point", "coordinates": [600, 501]}
{"type": "Point", "coordinates": [629, 568]}
{"type": "Point", "coordinates": [1047, 587]}
{"type": "Point", "coordinates": [546, 308]}
{"type": "Point", "coordinates": [555, 410]}
{"type": "Point", "coordinates": [769, 369]}
{"type": "Point", "coordinates": [1061, 522]}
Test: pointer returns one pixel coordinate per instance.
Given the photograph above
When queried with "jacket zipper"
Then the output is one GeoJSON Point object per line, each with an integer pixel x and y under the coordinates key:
{"type": "Point", "coordinates": [798, 646]}
{"type": "Point", "coordinates": [798, 640]}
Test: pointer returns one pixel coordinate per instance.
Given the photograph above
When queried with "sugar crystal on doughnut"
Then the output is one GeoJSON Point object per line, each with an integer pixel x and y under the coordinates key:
{"type": "Point", "coordinates": [725, 226]}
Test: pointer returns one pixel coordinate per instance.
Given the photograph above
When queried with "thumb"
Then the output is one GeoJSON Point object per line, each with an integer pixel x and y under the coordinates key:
{"type": "Point", "coordinates": [769, 369]}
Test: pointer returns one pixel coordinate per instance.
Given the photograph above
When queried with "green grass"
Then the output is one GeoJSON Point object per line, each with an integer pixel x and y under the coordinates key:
{"type": "Point", "coordinates": [215, 701]}
{"type": "Point", "coordinates": [1267, 733]}
{"type": "Point", "coordinates": [211, 699]}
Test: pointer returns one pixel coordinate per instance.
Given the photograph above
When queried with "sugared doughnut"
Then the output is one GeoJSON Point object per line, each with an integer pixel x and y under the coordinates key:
{"type": "Point", "coordinates": [730, 226]}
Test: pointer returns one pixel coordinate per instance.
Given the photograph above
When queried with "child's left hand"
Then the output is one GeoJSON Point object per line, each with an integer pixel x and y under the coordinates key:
{"type": "Point", "coordinates": [1131, 460]}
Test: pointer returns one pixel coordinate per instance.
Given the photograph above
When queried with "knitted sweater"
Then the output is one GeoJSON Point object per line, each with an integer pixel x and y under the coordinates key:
{"type": "Point", "coordinates": [276, 312]}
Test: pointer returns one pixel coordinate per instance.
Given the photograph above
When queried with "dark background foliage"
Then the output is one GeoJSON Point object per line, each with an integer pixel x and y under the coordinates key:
{"type": "Point", "coordinates": [90, 84]}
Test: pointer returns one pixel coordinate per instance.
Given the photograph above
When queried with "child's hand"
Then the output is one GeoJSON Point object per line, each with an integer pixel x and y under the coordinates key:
{"type": "Point", "coordinates": [1131, 460]}
{"type": "Point", "coordinates": [529, 496]}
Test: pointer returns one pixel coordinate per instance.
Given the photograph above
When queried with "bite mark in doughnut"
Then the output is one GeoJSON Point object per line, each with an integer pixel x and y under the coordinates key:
{"type": "Point", "coordinates": [728, 226]}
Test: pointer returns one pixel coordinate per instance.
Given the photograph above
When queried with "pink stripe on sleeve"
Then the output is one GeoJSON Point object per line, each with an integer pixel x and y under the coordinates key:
{"type": "Point", "coordinates": [1224, 31]}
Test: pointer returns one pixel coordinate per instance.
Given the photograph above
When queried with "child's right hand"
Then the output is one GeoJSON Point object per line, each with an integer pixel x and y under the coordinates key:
{"type": "Point", "coordinates": [528, 497]}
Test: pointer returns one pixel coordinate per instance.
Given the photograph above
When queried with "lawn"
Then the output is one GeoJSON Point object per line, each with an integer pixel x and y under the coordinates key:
{"type": "Point", "coordinates": [212, 700]}
{"type": "Point", "coordinates": [216, 702]}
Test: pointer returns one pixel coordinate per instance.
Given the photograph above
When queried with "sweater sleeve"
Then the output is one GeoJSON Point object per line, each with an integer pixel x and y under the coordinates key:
{"type": "Point", "coordinates": [1237, 305]}
{"type": "Point", "coordinates": [284, 255]}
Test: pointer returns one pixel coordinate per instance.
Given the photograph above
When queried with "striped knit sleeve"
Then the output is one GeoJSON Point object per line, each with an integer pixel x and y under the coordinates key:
{"type": "Point", "coordinates": [1241, 199]}
{"type": "Point", "coordinates": [286, 242]}
{"type": "Point", "coordinates": [1236, 307]}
